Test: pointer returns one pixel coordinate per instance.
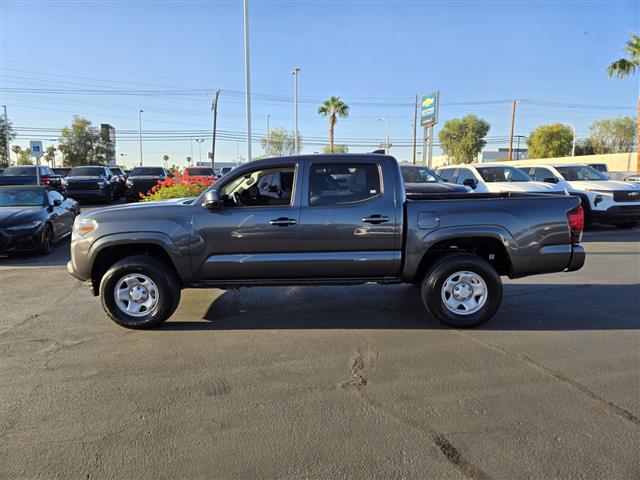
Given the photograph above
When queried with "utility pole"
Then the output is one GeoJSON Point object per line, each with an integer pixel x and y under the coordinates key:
{"type": "Point", "coordinates": [191, 145]}
{"type": "Point", "coordinates": [295, 73]}
{"type": "Point", "coordinates": [247, 76]}
{"type": "Point", "coordinates": [7, 143]}
{"type": "Point", "coordinates": [214, 109]}
{"type": "Point", "coordinates": [140, 132]}
{"type": "Point", "coordinates": [268, 135]}
{"type": "Point", "coordinates": [513, 121]}
{"type": "Point", "coordinates": [415, 129]}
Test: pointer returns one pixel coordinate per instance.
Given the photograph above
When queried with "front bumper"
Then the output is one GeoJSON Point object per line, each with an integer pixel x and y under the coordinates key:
{"type": "Point", "coordinates": [85, 194]}
{"type": "Point", "coordinates": [21, 241]}
{"type": "Point", "coordinates": [617, 214]}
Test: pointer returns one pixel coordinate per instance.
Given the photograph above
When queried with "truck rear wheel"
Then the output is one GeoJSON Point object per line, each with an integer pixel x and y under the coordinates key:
{"type": "Point", "coordinates": [462, 290]}
{"type": "Point", "coordinates": [139, 292]}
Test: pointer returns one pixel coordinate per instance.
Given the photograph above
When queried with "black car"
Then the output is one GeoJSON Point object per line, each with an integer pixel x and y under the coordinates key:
{"type": "Point", "coordinates": [62, 171]}
{"type": "Point", "coordinates": [33, 218]}
{"type": "Point", "coordinates": [419, 179]}
{"type": "Point", "coordinates": [93, 182]}
{"type": "Point", "coordinates": [142, 179]}
{"type": "Point", "coordinates": [121, 180]}
{"type": "Point", "coordinates": [26, 175]}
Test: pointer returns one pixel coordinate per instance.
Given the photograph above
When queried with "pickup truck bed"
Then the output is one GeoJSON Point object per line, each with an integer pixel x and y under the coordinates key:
{"type": "Point", "coordinates": [325, 219]}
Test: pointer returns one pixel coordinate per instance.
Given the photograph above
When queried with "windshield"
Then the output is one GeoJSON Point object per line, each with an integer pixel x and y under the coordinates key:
{"type": "Point", "coordinates": [573, 173]}
{"type": "Point", "coordinates": [503, 174]}
{"type": "Point", "coordinates": [86, 172]}
{"type": "Point", "coordinates": [116, 171]}
{"type": "Point", "coordinates": [19, 171]}
{"type": "Point", "coordinates": [419, 175]}
{"type": "Point", "coordinates": [200, 171]}
{"type": "Point", "coordinates": [147, 172]}
{"type": "Point", "coordinates": [21, 197]}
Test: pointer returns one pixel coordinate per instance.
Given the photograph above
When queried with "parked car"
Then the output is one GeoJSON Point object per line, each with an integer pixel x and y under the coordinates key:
{"type": "Point", "coordinates": [26, 175]}
{"type": "Point", "coordinates": [625, 177]}
{"type": "Point", "coordinates": [420, 179]}
{"type": "Point", "coordinates": [601, 167]}
{"type": "Point", "coordinates": [494, 177]}
{"type": "Point", "coordinates": [92, 182]}
{"type": "Point", "coordinates": [206, 172]}
{"type": "Point", "coordinates": [606, 201]}
{"type": "Point", "coordinates": [62, 171]}
{"type": "Point", "coordinates": [121, 180]}
{"type": "Point", "coordinates": [142, 179]}
{"type": "Point", "coordinates": [33, 218]}
{"type": "Point", "coordinates": [318, 220]}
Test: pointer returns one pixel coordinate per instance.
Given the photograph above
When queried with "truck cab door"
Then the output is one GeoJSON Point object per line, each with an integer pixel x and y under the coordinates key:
{"type": "Point", "coordinates": [350, 225]}
{"type": "Point", "coordinates": [253, 233]}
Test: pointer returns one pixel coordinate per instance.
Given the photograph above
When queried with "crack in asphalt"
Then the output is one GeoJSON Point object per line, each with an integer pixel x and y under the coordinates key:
{"type": "Point", "coordinates": [566, 381]}
{"type": "Point", "coordinates": [359, 380]}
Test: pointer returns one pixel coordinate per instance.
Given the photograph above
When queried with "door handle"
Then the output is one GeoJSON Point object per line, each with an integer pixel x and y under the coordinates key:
{"type": "Point", "coordinates": [282, 222]}
{"type": "Point", "coordinates": [376, 219]}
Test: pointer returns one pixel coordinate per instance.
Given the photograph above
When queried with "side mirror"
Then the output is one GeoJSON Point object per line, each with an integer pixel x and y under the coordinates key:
{"type": "Point", "coordinates": [211, 200]}
{"type": "Point", "coordinates": [470, 182]}
{"type": "Point", "coordinates": [57, 202]}
{"type": "Point", "coordinates": [550, 180]}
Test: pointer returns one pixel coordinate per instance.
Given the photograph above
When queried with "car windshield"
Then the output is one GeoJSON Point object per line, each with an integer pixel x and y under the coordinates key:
{"type": "Point", "coordinates": [200, 171]}
{"type": "Point", "coordinates": [575, 173]}
{"type": "Point", "coordinates": [117, 171]}
{"type": "Point", "coordinates": [419, 175]}
{"type": "Point", "coordinates": [60, 171]}
{"type": "Point", "coordinates": [503, 174]}
{"type": "Point", "coordinates": [21, 197]}
{"type": "Point", "coordinates": [86, 172]}
{"type": "Point", "coordinates": [19, 171]}
{"type": "Point", "coordinates": [147, 172]}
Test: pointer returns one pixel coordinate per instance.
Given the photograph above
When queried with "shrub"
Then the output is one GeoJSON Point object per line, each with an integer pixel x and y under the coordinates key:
{"type": "Point", "coordinates": [179, 186]}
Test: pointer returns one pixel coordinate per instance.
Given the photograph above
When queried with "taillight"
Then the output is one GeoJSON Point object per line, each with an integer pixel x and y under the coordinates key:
{"type": "Point", "coordinates": [45, 181]}
{"type": "Point", "coordinates": [576, 223]}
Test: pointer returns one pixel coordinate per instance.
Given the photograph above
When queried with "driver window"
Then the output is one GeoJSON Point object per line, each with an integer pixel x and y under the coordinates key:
{"type": "Point", "coordinates": [260, 188]}
{"type": "Point", "coordinates": [465, 174]}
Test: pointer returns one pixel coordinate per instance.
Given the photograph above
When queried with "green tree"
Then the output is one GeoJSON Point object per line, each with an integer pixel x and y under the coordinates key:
{"type": "Point", "coordinates": [279, 143]}
{"type": "Point", "coordinates": [336, 149]}
{"type": "Point", "coordinates": [333, 108]}
{"type": "Point", "coordinates": [78, 143]}
{"type": "Point", "coordinates": [23, 156]}
{"type": "Point", "coordinates": [584, 147]}
{"type": "Point", "coordinates": [627, 67]}
{"type": "Point", "coordinates": [50, 155]}
{"type": "Point", "coordinates": [6, 135]}
{"type": "Point", "coordinates": [549, 141]}
{"type": "Point", "coordinates": [613, 135]}
{"type": "Point", "coordinates": [462, 139]}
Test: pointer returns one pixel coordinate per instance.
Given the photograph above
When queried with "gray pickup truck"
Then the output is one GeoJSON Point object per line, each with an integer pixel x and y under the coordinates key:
{"type": "Point", "coordinates": [323, 219]}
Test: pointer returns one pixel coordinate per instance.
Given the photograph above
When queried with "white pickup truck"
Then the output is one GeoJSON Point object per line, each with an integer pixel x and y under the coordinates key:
{"type": "Point", "coordinates": [603, 200]}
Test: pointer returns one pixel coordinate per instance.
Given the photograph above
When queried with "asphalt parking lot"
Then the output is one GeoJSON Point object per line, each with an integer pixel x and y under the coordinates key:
{"type": "Point", "coordinates": [325, 382]}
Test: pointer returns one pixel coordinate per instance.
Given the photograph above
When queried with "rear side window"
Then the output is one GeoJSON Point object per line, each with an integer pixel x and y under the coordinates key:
{"type": "Point", "coordinates": [447, 174]}
{"type": "Point", "coordinates": [338, 184]}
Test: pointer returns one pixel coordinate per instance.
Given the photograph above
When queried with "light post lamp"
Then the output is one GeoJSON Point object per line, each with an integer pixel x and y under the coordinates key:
{"type": "Point", "coordinates": [295, 73]}
{"type": "Point", "coordinates": [386, 123]}
{"type": "Point", "coordinates": [140, 132]}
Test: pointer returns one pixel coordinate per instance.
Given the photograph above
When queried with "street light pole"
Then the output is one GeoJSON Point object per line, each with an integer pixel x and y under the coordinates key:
{"type": "Point", "coordinates": [247, 76]}
{"type": "Point", "coordinates": [7, 143]}
{"type": "Point", "coordinates": [573, 144]}
{"type": "Point", "coordinates": [214, 109]}
{"type": "Point", "coordinates": [295, 73]}
{"type": "Point", "coordinates": [387, 147]}
{"type": "Point", "coordinates": [199, 142]}
{"type": "Point", "coordinates": [140, 132]}
{"type": "Point", "coordinates": [268, 135]}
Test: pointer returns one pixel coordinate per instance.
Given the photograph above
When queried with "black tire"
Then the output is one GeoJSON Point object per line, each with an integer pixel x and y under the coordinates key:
{"type": "Point", "coordinates": [46, 240]}
{"type": "Point", "coordinates": [432, 289]}
{"type": "Point", "coordinates": [160, 273]}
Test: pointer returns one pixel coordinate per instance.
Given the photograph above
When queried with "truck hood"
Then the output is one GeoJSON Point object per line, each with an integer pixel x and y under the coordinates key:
{"type": "Point", "coordinates": [84, 179]}
{"type": "Point", "coordinates": [541, 187]}
{"type": "Point", "coordinates": [435, 187]}
{"type": "Point", "coordinates": [15, 215]}
{"type": "Point", "coordinates": [604, 185]}
{"type": "Point", "coordinates": [132, 209]}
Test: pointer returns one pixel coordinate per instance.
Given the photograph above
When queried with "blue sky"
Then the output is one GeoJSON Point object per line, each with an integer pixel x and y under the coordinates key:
{"type": "Point", "coordinates": [375, 55]}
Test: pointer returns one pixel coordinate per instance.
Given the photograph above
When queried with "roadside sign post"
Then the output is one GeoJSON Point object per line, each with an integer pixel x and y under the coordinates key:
{"type": "Point", "coordinates": [428, 118]}
{"type": "Point", "coordinates": [36, 150]}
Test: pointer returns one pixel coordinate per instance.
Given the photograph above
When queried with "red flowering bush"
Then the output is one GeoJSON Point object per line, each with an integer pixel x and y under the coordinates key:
{"type": "Point", "coordinates": [179, 186]}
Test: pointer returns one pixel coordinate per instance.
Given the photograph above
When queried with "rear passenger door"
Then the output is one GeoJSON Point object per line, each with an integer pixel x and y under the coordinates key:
{"type": "Point", "coordinates": [348, 220]}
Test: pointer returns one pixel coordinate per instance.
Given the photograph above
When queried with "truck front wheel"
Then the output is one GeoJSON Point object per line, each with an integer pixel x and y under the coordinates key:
{"type": "Point", "coordinates": [139, 292]}
{"type": "Point", "coordinates": [462, 290]}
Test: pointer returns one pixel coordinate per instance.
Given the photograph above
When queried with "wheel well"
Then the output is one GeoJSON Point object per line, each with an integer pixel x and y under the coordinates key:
{"type": "Point", "coordinates": [111, 255]}
{"type": "Point", "coordinates": [490, 249]}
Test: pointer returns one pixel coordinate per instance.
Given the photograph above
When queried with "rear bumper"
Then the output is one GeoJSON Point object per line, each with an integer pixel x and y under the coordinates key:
{"type": "Point", "coordinates": [578, 257]}
{"type": "Point", "coordinates": [617, 214]}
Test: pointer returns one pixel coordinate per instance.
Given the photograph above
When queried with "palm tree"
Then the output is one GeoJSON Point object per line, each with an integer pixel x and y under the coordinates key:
{"type": "Point", "coordinates": [626, 67]}
{"type": "Point", "coordinates": [333, 108]}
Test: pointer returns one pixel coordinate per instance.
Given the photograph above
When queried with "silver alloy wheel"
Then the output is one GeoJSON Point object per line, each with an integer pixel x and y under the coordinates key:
{"type": "Point", "coordinates": [136, 294]}
{"type": "Point", "coordinates": [464, 293]}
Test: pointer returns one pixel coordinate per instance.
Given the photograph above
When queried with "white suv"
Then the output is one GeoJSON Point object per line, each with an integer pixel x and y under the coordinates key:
{"type": "Point", "coordinates": [604, 200]}
{"type": "Point", "coordinates": [495, 178]}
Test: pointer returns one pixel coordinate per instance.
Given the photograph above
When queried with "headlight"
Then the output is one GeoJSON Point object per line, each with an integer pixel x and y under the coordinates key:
{"type": "Point", "coordinates": [83, 226]}
{"type": "Point", "coordinates": [25, 226]}
{"type": "Point", "coordinates": [129, 183]}
{"type": "Point", "coordinates": [101, 184]}
{"type": "Point", "coordinates": [64, 182]}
